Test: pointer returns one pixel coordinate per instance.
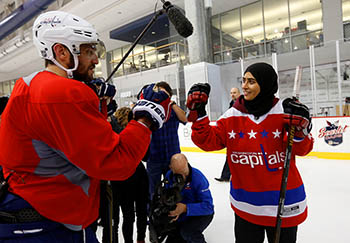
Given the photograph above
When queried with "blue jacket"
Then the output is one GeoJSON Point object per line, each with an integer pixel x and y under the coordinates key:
{"type": "Point", "coordinates": [165, 141]}
{"type": "Point", "coordinates": [195, 194]}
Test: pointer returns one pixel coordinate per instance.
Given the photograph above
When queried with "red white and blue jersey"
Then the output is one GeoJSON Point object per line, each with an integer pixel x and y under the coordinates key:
{"type": "Point", "coordinates": [59, 145]}
{"type": "Point", "coordinates": [255, 153]}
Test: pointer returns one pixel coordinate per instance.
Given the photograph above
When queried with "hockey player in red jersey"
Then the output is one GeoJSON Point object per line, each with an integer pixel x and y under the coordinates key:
{"type": "Point", "coordinates": [56, 145]}
{"type": "Point", "coordinates": [254, 132]}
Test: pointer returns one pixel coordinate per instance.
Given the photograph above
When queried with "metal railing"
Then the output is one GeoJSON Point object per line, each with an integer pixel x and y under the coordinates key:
{"type": "Point", "coordinates": [152, 58]}
{"type": "Point", "coordinates": [285, 44]}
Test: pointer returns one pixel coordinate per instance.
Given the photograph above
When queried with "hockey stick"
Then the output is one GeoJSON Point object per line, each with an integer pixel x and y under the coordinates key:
{"type": "Point", "coordinates": [296, 91]}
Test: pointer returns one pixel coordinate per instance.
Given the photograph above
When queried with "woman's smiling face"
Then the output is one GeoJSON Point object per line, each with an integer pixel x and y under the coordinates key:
{"type": "Point", "coordinates": [250, 86]}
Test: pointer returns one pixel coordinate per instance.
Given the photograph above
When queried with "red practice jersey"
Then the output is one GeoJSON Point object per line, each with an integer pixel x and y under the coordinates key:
{"type": "Point", "coordinates": [255, 153]}
{"type": "Point", "coordinates": [59, 145]}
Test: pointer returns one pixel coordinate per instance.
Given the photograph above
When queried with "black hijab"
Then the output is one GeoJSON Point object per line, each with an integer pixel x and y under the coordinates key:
{"type": "Point", "coordinates": [266, 77]}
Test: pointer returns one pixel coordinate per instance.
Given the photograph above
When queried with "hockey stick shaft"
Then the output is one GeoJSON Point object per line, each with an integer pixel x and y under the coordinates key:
{"type": "Point", "coordinates": [284, 183]}
{"type": "Point", "coordinates": [297, 80]}
{"type": "Point", "coordinates": [291, 132]}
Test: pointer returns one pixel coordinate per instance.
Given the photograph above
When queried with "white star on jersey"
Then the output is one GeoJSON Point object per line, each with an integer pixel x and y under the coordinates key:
{"type": "Point", "coordinates": [232, 134]}
{"type": "Point", "coordinates": [252, 134]}
{"type": "Point", "coordinates": [276, 134]}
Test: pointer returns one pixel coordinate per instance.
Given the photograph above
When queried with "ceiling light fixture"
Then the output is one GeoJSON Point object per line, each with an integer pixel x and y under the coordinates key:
{"type": "Point", "coordinates": [13, 47]}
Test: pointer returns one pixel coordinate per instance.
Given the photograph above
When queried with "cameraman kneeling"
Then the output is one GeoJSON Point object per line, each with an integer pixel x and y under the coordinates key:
{"type": "Point", "coordinates": [196, 210]}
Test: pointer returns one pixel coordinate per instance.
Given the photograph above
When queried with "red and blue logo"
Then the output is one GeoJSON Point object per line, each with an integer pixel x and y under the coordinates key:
{"type": "Point", "coordinates": [333, 133]}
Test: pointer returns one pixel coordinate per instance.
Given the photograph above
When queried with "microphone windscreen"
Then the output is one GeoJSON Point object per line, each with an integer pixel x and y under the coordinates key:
{"type": "Point", "coordinates": [181, 23]}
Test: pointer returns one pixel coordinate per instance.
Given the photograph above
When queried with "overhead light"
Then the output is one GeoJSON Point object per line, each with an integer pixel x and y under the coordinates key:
{"type": "Point", "coordinates": [11, 49]}
{"type": "Point", "coordinates": [19, 44]}
{"type": "Point", "coordinates": [16, 44]}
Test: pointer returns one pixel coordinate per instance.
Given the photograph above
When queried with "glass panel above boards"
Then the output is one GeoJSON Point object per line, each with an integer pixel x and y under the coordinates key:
{"type": "Point", "coordinates": [265, 27]}
{"type": "Point", "coordinates": [145, 57]}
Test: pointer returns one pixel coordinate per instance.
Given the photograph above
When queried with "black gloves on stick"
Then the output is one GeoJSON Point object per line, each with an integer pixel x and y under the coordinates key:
{"type": "Point", "coordinates": [298, 115]}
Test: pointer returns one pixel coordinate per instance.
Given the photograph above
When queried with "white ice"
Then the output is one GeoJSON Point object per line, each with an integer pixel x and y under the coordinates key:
{"type": "Point", "coordinates": [327, 184]}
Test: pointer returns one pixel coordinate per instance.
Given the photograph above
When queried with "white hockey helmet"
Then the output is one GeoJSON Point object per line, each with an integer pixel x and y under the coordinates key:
{"type": "Point", "coordinates": [72, 31]}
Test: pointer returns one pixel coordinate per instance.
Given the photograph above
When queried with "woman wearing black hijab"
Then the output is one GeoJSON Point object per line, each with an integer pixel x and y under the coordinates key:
{"type": "Point", "coordinates": [254, 132]}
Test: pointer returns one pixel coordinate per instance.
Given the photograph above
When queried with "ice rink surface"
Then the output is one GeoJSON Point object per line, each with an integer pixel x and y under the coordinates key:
{"type": "Point", "coordinates": [327, 184]}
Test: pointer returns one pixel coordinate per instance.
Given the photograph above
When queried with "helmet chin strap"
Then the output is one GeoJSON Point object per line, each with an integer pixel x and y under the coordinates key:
{"type": "Point", "coordinates": [68, 71]}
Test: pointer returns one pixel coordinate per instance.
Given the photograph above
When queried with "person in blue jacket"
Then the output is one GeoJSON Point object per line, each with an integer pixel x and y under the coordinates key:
{"type": "Point", "coordinates": [196, 210]}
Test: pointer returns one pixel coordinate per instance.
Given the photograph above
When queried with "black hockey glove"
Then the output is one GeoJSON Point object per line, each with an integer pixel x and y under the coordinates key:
{"type": "Point", "coordinates": [298, 115]}
{"type": "Point", "coordinates": [112, 107]}
{"type": "Point", "coordinates": [3, 103]}
{"type": "Point", "coordinates": [197, 98]}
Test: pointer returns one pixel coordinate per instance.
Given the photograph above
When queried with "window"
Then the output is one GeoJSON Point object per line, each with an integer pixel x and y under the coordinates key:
{"type": "Point", "coordinates": [12, 83]}
{"type": "Point", "coordinates": [305, 17]}
{"type": "Point", "coordinates": [215, 33]}
{"type": "Point", "coordinates": [276, 20]}
{"type": "Point", "coordinates": [231, 29]}
{"type": "Point", "coordinates": [116, 58]}
{"type": "Point", "coordinates": [231, 35]}
{"type": "Point", "coordinates": [6, 87]}
{"type": "Point", "coordinates": [252, 29]}
{"type": "Point", "coordinates": [151, 56]}
{"type": "Point", "coordinates": [139, 57]}
{"type": "Point", "coordinates": [267, 26]}
{"type": "Point", "coordinates": [346, 18]}
{"type": "Point", "coordinates": [98, 70]}
{"type": "Point", "coordinates": [346, 10]}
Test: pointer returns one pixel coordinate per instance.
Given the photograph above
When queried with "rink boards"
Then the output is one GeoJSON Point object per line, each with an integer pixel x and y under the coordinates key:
{"type": "Point", "coordinates": [331, 134]}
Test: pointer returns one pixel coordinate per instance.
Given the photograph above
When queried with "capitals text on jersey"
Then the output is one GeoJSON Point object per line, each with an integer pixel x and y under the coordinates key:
{"type": "Point", "coordinates": [256, 158]}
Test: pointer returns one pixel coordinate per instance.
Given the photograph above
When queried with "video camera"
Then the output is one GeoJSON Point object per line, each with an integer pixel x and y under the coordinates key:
{"type": "Point", "coordinates": [164, 200]}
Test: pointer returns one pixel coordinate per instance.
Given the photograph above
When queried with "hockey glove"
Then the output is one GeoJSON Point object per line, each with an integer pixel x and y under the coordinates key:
{"type": "Point", "coordinates": [153, 104]}
{"type": "Point", "coordinates": [197, 98]}
{"type": "Point", "coordinates": [103, 90]}
{"type": "Point", "coordinates": [112, 107]}
{"type": "Point", "coordinates": [3, 103]}
{"type": "Point", "coordinates": [298, 115]}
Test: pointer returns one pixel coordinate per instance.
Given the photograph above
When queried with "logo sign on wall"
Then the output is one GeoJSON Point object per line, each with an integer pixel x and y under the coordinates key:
{"type": "Point", "coordinates": [333, 133]}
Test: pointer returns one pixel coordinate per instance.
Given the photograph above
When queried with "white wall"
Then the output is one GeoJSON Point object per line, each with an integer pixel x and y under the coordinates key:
{"type": "Point", "coordinates": [204, 72]}
{"type": "Point", "coordinates": [322, 149]}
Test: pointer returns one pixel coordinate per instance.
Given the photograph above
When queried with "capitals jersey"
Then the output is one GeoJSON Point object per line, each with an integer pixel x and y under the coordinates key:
{"type": "Point", "coordinates": [255, 153]}
{"type": "Point", "coordinates": [58, 145]}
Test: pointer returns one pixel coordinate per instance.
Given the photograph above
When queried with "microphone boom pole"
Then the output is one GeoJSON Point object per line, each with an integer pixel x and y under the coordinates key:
{"type": "Point", "coordinates": [149, 25]}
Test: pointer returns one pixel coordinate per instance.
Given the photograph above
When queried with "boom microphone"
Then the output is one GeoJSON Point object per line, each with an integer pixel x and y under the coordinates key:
{"type": "Point", "coordinates": [182, 25]}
